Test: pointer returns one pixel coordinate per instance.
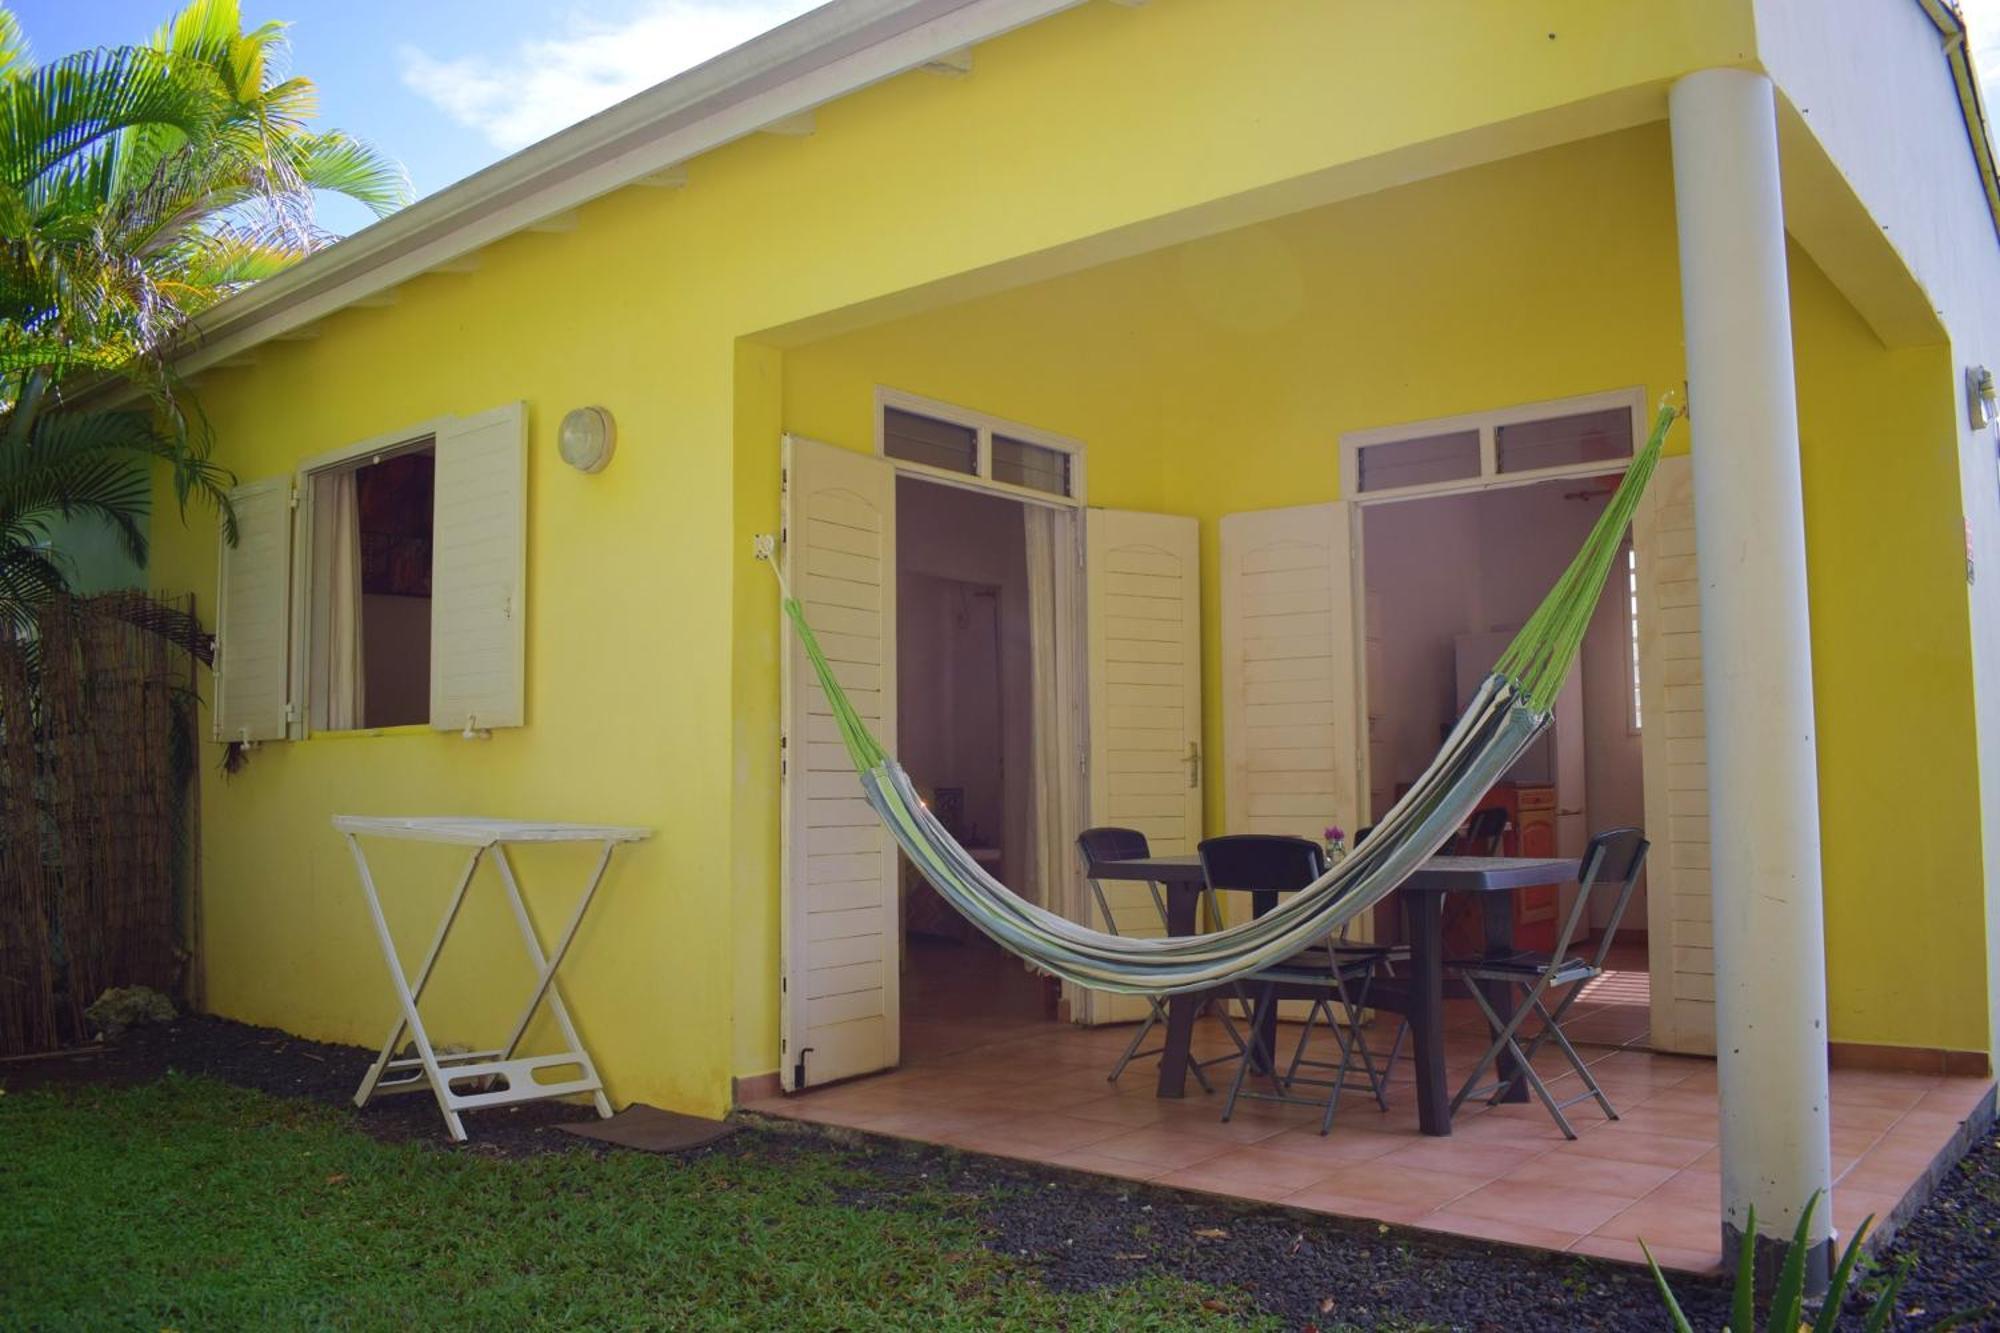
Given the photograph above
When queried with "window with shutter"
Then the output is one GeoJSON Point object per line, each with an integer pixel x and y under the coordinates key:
{"type": "Point", "coordinates": [479, 572]}
{"type": "Point", "coordinates": [253, 617]}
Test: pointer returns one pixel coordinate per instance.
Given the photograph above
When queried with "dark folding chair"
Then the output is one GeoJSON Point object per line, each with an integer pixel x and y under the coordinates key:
{"type": "Point", "coordinates": [1325, 976]}
{"type": "Point", "coordinates": [1611, 865]}
{"type": "Point", "coordinates": [1484, 834]}
{"type": "Point", "coordinates": [1098, 846]}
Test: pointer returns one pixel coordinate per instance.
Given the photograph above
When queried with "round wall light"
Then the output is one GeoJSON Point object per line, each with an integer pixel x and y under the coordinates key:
{"type": "Point", "coordinates": [587, 438]}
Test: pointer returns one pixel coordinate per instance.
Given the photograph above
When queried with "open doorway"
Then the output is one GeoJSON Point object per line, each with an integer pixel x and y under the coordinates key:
{"type": "Point", "coordinates": [1448, 579]}
{"type": "Point", "coordinates": [966, 613]}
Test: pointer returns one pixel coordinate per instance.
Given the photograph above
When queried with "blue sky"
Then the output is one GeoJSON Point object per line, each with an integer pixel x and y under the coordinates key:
{"type": "Point", "coordinates": [448, 86]}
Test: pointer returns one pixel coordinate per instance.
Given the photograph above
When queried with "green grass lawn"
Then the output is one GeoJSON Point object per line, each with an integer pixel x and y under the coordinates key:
{"type": "Point", "coordinates": [189, 1204]}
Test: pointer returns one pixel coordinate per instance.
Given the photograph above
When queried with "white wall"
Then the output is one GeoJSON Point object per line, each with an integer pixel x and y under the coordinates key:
{"type": "Point", "coordinates": [948, 541]}
{"type": "Point", "coordinates": [1467, 564]}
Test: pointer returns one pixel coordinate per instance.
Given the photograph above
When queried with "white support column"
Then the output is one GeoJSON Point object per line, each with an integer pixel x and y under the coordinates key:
{"type": "Point", "coordinates": [1770, 950]}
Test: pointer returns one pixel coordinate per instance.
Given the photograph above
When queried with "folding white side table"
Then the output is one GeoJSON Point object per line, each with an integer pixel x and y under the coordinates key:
{"type": "Point", "coordinates": [439, 1073]}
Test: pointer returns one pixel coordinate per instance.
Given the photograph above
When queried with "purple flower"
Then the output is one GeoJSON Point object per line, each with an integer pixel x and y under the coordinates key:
{"type": "Point", "coordinates": [1335, 833]}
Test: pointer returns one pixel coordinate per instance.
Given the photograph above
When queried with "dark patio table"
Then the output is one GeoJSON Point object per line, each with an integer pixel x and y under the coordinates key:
{"type": "Point", "coordinates": [1418, 996]}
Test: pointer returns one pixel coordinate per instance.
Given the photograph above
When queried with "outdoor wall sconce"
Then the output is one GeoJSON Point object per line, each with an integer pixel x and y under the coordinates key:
{"type": "Point", "coordinates": [587, 437]}
{"type": "Point", "coordinates": [1981, 406]}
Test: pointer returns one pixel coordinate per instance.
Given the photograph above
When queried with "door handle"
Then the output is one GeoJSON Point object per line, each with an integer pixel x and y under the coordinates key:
{"type": "Point", "coordinates": [1194, 764]}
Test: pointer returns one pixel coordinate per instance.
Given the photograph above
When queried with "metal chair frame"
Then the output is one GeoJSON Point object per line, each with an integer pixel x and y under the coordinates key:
{"type": "Point", "coordinates": [1156, 1006]}
{"type": "Point", "coordinates": [1343, 965]}
{"type": "Point", "coordinates": [1560, 970]}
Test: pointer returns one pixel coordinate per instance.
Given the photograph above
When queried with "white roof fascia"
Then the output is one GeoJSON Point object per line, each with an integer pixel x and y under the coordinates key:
{"type": "Point", "coordinates": [822, 55]}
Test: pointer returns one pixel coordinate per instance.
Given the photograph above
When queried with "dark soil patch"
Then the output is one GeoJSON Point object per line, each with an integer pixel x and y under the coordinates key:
{"type": "Point", "coordinates": [282, 1065]}
{"type": "Point", "coordinates": [1952, 1247]}
{"type": "Point", "coordinates": [1083, 1232]}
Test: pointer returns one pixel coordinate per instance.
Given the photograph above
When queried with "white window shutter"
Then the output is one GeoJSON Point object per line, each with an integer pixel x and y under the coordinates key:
{"type": "Point", "coordinates": [253, 616]}
{"type": "Point", "coordinates": [479, 572]}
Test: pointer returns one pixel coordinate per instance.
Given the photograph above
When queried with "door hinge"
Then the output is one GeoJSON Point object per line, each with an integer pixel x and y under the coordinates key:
{"type": "Point", "coordinates": [292, 501]}
{"type": "Point", "coordinates": [783, 766]}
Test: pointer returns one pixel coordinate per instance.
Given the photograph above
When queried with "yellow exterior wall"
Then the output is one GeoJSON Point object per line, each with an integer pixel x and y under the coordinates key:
{"type": "Point", "coordinates": [1892, 682]}
{"type": "Point", "coordinates": [1084, 139]}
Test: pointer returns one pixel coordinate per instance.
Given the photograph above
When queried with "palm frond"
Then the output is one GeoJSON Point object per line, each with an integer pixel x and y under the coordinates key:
{"type": "Point", "coordinates": [15, 57]}
{"type": "Point", "coordinates": [71, 106]}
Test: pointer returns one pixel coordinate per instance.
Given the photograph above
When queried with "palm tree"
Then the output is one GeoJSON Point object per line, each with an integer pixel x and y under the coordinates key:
{"type": "Point", "coordinates": [140, 185]}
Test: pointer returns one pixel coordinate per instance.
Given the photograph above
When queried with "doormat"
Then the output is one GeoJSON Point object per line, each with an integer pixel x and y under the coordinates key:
{"type": "Point", "coordinates": [649, 1129]}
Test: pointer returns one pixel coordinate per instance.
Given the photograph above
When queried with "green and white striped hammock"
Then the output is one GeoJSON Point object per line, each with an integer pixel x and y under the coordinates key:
{"type": "Point", "coordinates": [1510, 710]}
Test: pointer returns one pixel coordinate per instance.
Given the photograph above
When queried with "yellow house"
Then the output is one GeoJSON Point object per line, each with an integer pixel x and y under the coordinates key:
{"type": "Point", "coordinates": [1141, 301]}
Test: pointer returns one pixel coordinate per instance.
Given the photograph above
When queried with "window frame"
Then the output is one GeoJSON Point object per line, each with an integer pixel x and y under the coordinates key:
{"type": "Point", "coordinates": [1635, 716]}
{"type": "Point", "coordinates": [1487, 424]}
{"type": "Point", "coordinates": [985, 426]}
{"type": "Point", "coordinates": [359, 454]}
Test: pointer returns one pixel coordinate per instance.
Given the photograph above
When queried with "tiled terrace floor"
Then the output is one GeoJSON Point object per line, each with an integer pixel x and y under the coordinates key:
{"type": "Point", "coordinates": [1016, 1086]}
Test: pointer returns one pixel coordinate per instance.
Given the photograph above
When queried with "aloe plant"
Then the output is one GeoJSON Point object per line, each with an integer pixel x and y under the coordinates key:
{"type": "Point", "coordinates": [1788, 1299]}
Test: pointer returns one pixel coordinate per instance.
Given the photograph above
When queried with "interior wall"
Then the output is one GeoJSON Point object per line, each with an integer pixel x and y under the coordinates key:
{"type": "Point", "coordinates": [950, 542]}
{"type": "Point", "coordinates": [1473, 563]}
{"type": "Point", "coordinates": [396, 659]}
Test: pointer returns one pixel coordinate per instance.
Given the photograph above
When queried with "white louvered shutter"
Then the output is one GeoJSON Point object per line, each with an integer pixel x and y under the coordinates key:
{"type": "Point", "coordinates": [1143, 612]}
{"type": "Point", "coordinates": [253, 616]}
{"type": "Point", "coordinates": [479, 572]}
{"type": "Point", "coordinates": [840, 999]}
{"type": "Point", "coordinates": [1675, 765]}
{"type": "Point", "coordinates": [1291, 760]}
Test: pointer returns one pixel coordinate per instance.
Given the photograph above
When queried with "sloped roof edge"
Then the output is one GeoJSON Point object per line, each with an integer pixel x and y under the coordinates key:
{"type": "Point", "coordinates": [822, 55]}
{"type": "Point", "coordinates": [1951, 25]}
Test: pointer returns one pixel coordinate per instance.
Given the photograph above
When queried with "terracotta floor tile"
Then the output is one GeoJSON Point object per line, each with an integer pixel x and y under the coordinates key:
{"type": "Point", "coordinates": [1696, 1189]}
{"type": "Point", "coordinates": [1955, 1096]}
{"type": "Point", "coordinates": [1241, 1130]}
{"type": "Point", "coordinates": [1338, 1148]}
{"type": "Point", "coordinates": [1049, 1133]}
{"type": "Point", "coordinates": [1850, 1206]}
{"type": "Point", "coordinates": [1562, 1169]}
{"type": "Point", "coordinates": [1103, 1164]}
{"type": "Point", "coordinates": [1675, 1124]}
{"type": "Point", "coordinates": [1463, 1157]}
{"type": "Point", "coordinates": [1878, 1118]}
{"type": "Point", "coordinates": [1406, 1185]}
{"type": "Point", "coordinates": [933, 1125]}
{"type": "Point", "coordinates": [1896, 1096]}
{"type": "Point", "coordinates": [1161, 1146]}
{"type": "Point", "coordinates": [1120, 1109]}
{"type": "Point", "coordinates": [1669, 1257]}
{"type": "Point", "coordinates": [1327, 1198]}
{"type": "Point", "coordinates": [1205, 1181]}
{"type": "Point", "coordinates": [1263, 1170]}
{"type": "Point", "coordinates": [1559, 1208]}
{"type": "Point", "coordinates": [1666, 1222]}
{"type": "Point", "coordinates": [1625, 1142]}
{"type": "Point", "coordinates": [1941, 1124]}
{"type": "Point", "coordinates": [1506, 1231]}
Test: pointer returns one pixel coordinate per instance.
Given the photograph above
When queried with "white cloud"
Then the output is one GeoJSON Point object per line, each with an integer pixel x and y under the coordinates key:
{"type": "Point", "coordinates": [544, 84]}
{"type": "Point", "coordinates": [1982, 22]}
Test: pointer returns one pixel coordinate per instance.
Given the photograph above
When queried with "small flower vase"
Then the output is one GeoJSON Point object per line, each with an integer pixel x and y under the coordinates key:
{"type": "Point", "coordinates": [1336, 851]}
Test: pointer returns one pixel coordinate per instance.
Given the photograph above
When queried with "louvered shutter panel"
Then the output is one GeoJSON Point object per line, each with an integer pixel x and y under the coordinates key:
{"type": "Point", "coordinates": [1291, 760]}
{"type": "Point", "coordinates": [1143, 608]}
{"type": "Point", "coordinates": [479, 572]}
{"type": "Point", "coordinates": [1675, 764]}
{"type": "Point", "coordinates": [841, 998]}
{"type": "Point", "coordinates": [253, 616]}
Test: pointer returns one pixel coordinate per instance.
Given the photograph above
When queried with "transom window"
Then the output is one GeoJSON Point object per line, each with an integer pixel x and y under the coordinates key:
{"type": "Point", "coordinates": [941, 440]}
{"type": "Point", "coordinates": [1576, 435]}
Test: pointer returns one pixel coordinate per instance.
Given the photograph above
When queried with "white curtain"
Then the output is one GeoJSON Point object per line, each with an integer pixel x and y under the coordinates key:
{"type": "Point", "coordinates": [1056, 801]}
{"type": "Point", "coordinates": [336, 675]}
